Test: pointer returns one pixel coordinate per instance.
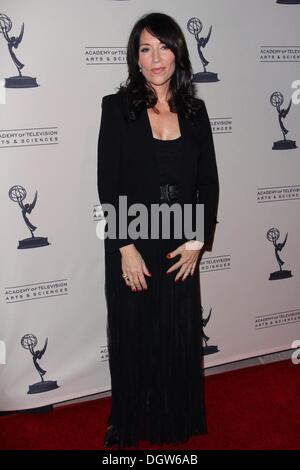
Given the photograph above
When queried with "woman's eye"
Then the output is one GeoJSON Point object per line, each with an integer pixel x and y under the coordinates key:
{"type": "Point", "coordinates": [145, 49]}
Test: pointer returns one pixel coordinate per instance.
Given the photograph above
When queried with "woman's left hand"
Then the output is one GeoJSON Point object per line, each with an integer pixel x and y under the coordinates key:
{"type": "Point", "coordinates": [189, 252]}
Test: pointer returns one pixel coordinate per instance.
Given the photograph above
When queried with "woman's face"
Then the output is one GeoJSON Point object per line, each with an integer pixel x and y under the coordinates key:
{"type": "Point", "coordinates": [155, 55]}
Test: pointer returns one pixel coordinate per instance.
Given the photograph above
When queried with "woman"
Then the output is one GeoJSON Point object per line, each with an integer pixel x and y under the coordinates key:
{"type": "Point", "coordinates": [155, 146]}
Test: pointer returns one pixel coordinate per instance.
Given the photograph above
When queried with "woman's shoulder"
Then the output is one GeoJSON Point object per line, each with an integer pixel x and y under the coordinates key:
{"type": "Point", "coordinates": [197, 110]}
{"type": "Point", "coordinates": [112, 104]}
{"type": "Point", "coordinates": [199, 103]}
{"type": "Point", "coordinates": [111, 98]}
{"type": "Point", "coordinates": [199, 100]}
{"type": "Point", "coordinates": [115, 100]}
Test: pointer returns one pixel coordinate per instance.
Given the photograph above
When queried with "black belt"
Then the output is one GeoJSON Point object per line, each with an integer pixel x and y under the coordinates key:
{"type": "Point", "coordinates": [169, 193]}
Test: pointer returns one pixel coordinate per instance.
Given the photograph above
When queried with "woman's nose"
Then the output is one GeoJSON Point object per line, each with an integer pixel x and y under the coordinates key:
{"type": "Point", "coordinates": [156, 56]}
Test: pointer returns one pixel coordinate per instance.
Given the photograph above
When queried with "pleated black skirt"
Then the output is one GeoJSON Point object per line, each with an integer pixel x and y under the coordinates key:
{"type": "Point", "coordinates": [155, 351]}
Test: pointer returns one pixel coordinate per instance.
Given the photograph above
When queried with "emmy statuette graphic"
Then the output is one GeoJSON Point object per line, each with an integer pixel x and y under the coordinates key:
{"type": "Point", "coordinates": [18, 194]}
{"type": "Point", "coordinates": [289, 2]}
{"type": "Point", "coordinates": [207, 349]}
{"type": "Point", "coordinates": [18, 81]}
{"type": "Point", "coordinates": [194, 27]}
{"type": "Point", "coordinates": [276, 100]}
{"type": "Point", "coordinates": [29, 342]}
{"type": "Point", "coordinates": [272, 235]}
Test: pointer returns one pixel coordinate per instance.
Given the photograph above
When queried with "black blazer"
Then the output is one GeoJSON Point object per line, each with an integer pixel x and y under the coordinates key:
{"type": "Point", "coordinates": [126, 164]}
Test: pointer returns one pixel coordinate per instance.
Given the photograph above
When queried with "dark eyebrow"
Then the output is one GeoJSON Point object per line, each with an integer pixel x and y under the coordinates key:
{"type": "Point", "coordinates": [146, 44]}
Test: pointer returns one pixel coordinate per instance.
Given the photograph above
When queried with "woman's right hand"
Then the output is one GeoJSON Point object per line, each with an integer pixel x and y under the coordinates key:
{"type": "Point", "coordinates": [134, 266]}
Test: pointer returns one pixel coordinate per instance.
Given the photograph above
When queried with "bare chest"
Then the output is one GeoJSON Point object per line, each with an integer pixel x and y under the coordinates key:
{"type": "Point", "coordinates": [165, 125]}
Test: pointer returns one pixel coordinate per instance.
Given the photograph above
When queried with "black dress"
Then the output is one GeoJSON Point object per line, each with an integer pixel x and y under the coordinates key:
{"type": "Point", "coordinates": [155, 341]}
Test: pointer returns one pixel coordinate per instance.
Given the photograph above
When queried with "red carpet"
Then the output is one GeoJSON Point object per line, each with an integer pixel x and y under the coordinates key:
{"type": "Point", "coordinates": [253, 408]}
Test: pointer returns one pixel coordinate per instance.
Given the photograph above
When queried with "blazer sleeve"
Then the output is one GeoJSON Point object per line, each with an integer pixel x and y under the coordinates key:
{"type": "Point", "coordinates": [108, 169]}
{"type": "Point", "coordinates": [207, 177]}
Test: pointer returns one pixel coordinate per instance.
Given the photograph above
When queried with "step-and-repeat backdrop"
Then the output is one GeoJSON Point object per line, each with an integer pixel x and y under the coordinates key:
{"type": "Point", "coordinates": [58, 59]}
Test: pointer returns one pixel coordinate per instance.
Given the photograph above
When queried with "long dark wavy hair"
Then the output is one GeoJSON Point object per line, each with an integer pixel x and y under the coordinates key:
{"type": "Point", "coordinates": [138, 92]}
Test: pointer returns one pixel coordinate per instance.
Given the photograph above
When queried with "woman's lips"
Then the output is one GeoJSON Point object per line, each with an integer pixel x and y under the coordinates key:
{"type": "Point", "coordinates": [157, 70]}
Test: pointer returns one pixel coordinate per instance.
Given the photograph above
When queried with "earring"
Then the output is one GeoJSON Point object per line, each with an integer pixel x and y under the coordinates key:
{"type": "Point", "coordinates": [140, 68]}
